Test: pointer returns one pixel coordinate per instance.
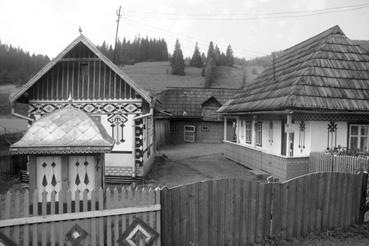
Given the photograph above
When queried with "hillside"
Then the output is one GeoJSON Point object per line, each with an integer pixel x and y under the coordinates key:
{"type": "Point", "coordinates": [155, 76]}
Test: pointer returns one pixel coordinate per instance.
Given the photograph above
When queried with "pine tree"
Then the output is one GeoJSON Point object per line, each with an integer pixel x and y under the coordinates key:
{"type": "Point", "coordinates": [210, 66]}
{"type": "Point", "coordinates": [217, 55]}
{"type": "Point", "coordinates": [210, 72]}
{"type": "Point", "coordinates": [177, 62]}
{"type": "Point", "coordinates": [196, 60]}
{"type": "Point", "coordinates": [229, 55]}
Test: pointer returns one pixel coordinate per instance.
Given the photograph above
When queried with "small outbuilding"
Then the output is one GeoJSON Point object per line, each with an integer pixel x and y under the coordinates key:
{"type": "Point", "coordinates": [66, 151]}
{"type": "Point", "coordinates": [194, 116]}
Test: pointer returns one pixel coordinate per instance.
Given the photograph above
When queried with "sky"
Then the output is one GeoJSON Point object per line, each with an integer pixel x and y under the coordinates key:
{"type": "Point", "coordinates": [252, 27]}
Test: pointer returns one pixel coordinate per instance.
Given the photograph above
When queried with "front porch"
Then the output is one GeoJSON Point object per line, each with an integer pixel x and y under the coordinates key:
{"type": "Point", "coordinates": [280, 167]}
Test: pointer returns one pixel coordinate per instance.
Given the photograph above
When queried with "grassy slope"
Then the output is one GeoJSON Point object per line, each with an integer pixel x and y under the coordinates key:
{"type": "Point", "coordinates": [155, 76]}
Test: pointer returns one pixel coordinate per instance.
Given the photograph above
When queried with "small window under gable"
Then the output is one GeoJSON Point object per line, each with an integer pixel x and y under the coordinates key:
{"type": "Point", "coordinates": [211, 102]}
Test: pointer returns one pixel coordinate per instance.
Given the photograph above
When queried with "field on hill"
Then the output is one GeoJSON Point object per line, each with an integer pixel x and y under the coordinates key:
{"type": "Point", "coordinates": [155, 76]}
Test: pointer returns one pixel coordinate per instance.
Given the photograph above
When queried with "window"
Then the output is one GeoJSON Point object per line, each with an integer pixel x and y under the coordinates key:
{"type": "Point", "coordinates": [258, 133]}
{"type": "Point", "coordinates": [204, 128]}
{"type": "Point", "coordinates": [248, 130]}
{"type": "Point", "coordinates": [359, 137]}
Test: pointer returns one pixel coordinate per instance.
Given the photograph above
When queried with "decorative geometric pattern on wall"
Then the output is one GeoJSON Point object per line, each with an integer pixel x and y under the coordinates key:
{"type": "Point", "coordinates": [138, 233]}
{"type": "Point", "coordinates": [117, 127]}
{"type": "Point", "coordinates": [139, 142]}
{"type": "Point", "coordinates": [331, 117]}
{"type": "Point", "coordinates": [118, 171]}
{"type": "Point", "coordinates": [76, 235]}
{"type": "Point", "coordinates": [89, 107]}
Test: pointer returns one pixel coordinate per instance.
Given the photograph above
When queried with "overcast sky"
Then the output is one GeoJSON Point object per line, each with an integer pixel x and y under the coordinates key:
{"type": "Point", "coordinates": [48, 26]}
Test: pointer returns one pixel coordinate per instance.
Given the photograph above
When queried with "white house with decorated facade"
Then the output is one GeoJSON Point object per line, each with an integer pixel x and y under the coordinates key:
{"type": "Point", "coordinates": [82, 78]}
{"type": "Point", "coordinates": [313, 97]}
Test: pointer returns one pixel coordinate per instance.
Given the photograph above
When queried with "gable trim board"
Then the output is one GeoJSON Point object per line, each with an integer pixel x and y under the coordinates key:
{"type": "Point", "coordinates": [145, 95]}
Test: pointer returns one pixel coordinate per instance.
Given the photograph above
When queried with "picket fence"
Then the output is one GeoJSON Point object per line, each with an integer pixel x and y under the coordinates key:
{"type": "Point", "coordinates": [325, 162]}
{"type": "Point", "coordinates": [27, 221]}
{"type": "Point", "coordinates": [238, 212]}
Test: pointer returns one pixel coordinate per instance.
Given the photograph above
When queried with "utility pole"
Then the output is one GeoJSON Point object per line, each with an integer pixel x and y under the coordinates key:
{"type": "Point", "coordinates": [116, 34]}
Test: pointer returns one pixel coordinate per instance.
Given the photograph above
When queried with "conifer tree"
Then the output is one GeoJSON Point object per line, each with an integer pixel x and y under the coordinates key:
{"type": "Point", "coordinates": [229, 56]}
{"type": "Point", "coordinates": [177, 63]}
{"type": "Point", "coordinates": [217, 55]}
{"type": "Point", "coordinates": [210, 66]}
{"type": "Point", "coordinates": [196, 60]}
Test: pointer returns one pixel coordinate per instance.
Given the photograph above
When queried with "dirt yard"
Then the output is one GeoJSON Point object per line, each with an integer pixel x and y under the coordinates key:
{"type": "Point", "coordinates": [190, 163]}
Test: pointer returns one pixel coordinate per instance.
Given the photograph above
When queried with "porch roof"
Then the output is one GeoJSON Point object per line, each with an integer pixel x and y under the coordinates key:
{"type": "Point", "coordinates": [64, 131]}
{"type": "Point", "coordinates": [327, 72]}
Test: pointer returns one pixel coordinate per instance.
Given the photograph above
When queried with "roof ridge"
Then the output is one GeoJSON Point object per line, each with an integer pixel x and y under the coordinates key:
{"type": "Point", "coordinates": [333, 30]}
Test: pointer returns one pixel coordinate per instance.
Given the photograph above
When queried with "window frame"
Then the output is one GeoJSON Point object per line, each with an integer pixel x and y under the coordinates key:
{"type": "Point", "coordinates": [248, 132]}
{"type": "Point", "coordinates": [259, 130]}
{"type": "Point", "coordinates": [358, 136]}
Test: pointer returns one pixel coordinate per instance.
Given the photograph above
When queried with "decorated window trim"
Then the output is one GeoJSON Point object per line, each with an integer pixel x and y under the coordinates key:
{"type": "Point", "coordinates": [302, 135]}
{"type": "Point", "coordinates": [259, 133]}
{"type": "Point", "coordinates": [271, 132]}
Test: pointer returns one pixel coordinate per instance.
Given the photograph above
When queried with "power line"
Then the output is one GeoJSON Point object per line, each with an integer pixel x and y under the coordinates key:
{"type": "Point", "coordinates": [246, 16]}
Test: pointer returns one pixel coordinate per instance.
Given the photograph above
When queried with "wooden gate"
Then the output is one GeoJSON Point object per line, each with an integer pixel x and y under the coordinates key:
{"type": "Point", "coordinates": [238, 212]}
{"type": "Point", "coordinates": [112, 217]}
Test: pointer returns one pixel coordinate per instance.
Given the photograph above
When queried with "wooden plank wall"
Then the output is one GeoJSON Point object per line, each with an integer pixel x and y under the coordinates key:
{"type": "Point", "coordinates": [99, 82]}
{"type": "Point", "coordinates": [103, 230]}
{"type": "Point", "coordinates": [162, 132]}
{"type": "Point", "coordinates": [238, 212]}
{"type": "Point", "coordinates": [325, 162]}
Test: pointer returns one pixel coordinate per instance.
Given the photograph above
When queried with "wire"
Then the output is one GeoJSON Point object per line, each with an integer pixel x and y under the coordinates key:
{"type": "Point", "coordinates": [245, 16]}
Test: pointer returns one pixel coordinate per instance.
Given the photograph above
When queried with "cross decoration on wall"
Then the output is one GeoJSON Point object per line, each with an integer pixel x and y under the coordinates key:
{"type": "Point", "coordinates": [117, 127]}
{"type": "Point", "coordinates": [332, 135]}
{"type": "Point", "coordinates": [302, 136]}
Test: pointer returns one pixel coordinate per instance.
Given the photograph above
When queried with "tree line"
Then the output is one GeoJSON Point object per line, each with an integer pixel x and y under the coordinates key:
{"type": "Point", "coordinates": [208, 63]}
{"type": "Point", "coordinates": [139, 50]}
{"type": "Point", "coordinates": [18, 66]}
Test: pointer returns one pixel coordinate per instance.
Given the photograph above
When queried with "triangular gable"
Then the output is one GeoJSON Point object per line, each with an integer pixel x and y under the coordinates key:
{"type": "Point", "coordinates": [97, 52]}
{"type": "Point", "coordinates": [211, 101]}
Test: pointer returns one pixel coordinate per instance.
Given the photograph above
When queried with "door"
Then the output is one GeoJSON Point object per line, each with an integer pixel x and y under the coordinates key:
{"type": "Point", "coordinates": [48, 169]}
{"type": "Point", "coordinates": [82, 174]}
{"type": "Point", "coordinates": [189, 133]}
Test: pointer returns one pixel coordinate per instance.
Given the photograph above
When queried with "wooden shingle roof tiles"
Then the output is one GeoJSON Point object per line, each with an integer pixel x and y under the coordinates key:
{"type": "Point", "coordinates": [327, 72]}
{"type": "Point", "coordinates": [64, 131]}
{"type": "Point", "coordinates": [187, 102]}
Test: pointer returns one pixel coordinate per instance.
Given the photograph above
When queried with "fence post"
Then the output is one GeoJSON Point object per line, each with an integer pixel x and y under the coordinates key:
{"type": "Point", "coordinates": [363, 196]}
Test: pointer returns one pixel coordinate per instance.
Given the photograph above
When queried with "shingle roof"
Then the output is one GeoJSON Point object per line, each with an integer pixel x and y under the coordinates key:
{"type": "Point", "coordinates": [189, 100]}
{"type": "Point", "coordinates": [327, 72]}
{"type": "Point", "coordinates": [67, 130]}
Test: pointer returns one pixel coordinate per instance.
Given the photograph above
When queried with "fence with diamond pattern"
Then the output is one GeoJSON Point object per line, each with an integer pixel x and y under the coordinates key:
{"type": "Point", "coordinates": [113, 217]}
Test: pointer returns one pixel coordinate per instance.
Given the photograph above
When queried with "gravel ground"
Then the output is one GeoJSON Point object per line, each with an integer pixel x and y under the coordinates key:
{"type": "Point", "coordinates": [190, 163]}
{"type": "Point", "coordinates": [357, 235]}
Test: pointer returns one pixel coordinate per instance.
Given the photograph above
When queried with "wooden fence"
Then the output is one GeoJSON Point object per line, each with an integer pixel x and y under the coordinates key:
{"type": "Point", "coordinates": [26, 221]}
{"type": "Point", "coordinates": [237, 212]}
{"type": "Point", "coordinates": [7, 165]}
{"type": "Point", "coordinates": [325, 162]}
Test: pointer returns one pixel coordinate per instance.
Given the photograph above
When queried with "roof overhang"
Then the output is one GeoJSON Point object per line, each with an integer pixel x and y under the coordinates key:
{"type": "Point", "coordinates": [52, 150]}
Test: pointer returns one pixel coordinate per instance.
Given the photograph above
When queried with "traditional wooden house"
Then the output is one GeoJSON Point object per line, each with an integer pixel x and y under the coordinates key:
{"type": "Point", "coordinates": [314, 97]}
{"type": "Point", "coordinates": [194, 116]}
{"type": "Point", "coordinates": [81, 76]}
